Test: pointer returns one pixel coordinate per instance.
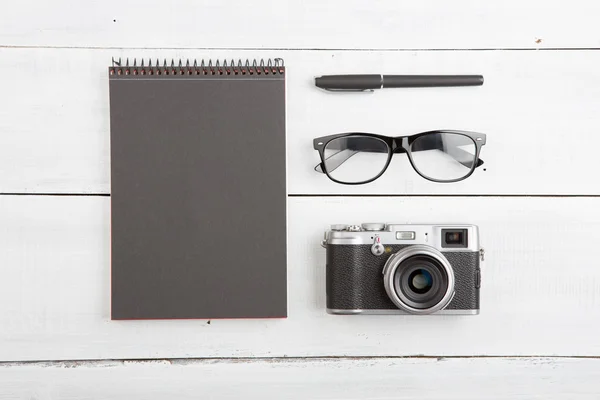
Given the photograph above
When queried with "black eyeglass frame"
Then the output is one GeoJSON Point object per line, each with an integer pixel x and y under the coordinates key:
{"type": "Point", "coordinates": [399, 144]}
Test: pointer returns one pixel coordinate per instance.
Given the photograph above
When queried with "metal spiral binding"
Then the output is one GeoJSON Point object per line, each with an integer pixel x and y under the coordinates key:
{"type": "Point", "coordinates": [255, 67]}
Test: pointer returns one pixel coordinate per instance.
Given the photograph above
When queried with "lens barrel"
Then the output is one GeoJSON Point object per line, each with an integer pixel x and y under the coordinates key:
{"type": "Point", "coordinates": [419, 280]}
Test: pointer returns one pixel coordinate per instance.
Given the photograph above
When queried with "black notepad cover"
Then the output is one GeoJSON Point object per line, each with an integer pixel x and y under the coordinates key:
{"type": "Point", "coordinates": [198, 194]}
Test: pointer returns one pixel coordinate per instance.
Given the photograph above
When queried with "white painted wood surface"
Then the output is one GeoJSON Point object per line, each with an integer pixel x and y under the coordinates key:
{"type": "Point", "coordinates": [541, 279]}
{"type": "Point", "coordinates": [427, 379]}
{"type": "Point", "coordinates": [354, 24]}
{"type": "Point", "coordinates": [539, 291]}
{"type": "Point", "coordinates": [542, 122]}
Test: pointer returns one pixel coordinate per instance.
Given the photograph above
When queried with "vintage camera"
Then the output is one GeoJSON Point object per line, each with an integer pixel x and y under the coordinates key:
{"type": "Point", "coordinates": [403, 269]}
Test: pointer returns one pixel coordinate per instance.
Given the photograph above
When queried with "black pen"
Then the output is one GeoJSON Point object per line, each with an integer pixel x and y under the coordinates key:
{"type": "Point", "coordinates": [371, 82]}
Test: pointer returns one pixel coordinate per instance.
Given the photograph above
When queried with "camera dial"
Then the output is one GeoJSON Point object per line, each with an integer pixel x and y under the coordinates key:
{"type": "Point", "coordinates": [339, 227]}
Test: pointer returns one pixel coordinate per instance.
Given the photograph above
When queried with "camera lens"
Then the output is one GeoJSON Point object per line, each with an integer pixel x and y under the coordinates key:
{"type": "Point", "coordinates": [420, 281]}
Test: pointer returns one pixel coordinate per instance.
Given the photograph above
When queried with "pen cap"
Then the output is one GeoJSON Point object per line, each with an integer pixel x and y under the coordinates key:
{"type": "Point", "coordinates": [349, 82]}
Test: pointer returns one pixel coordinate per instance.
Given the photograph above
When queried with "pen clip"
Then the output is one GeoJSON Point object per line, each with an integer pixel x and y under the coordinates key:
{"type": "Point", "coordinates": [349, 90]}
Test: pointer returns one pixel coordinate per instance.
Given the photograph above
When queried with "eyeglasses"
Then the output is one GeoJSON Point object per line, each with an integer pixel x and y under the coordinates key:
{"type": "Point", "coordinates": [439, 156]}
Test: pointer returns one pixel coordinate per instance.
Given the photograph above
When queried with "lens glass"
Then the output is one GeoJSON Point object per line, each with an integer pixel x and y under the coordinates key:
{"type": "Point", "coordinates": [421, 282]}
{"type": "Point", "coordinates": [356, 159]}
{"type": "Point", "coordinates": [444, 156]}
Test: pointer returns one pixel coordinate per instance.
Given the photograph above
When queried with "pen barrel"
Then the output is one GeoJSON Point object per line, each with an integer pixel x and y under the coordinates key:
{"type": "Point", "coordinates": [349, 82]}
{"type": "Point", "coordinates": [407, 81]}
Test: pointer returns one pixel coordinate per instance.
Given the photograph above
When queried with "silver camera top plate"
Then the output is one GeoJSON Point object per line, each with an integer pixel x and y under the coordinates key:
{"type": "Point", "coordinates": [406, 234]}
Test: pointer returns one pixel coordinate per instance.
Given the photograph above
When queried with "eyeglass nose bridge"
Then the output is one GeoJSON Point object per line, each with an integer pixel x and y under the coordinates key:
{"type": "Point", "coordinates": [400, 145]}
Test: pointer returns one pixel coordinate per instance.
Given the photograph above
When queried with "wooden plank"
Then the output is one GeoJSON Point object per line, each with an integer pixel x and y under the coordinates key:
{"type": "Point", "coordinates": [352, 24]}
{"type": "Point", "coordinates": [541, 122]}
{"type": "Point", "coordinates": [387, 378]}
{"type": "Point", "coordinates": [539, 293]}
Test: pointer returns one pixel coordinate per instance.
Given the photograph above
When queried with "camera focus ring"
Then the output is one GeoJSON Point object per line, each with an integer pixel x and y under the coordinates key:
{"type": "Point", "coordinates": [419, 280]}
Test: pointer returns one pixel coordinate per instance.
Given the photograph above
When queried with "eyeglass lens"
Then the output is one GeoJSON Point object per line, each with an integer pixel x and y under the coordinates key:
{"type": "Point", "coordinates": [444, 156]}
{"type": "Point", "coordinates": [355, 159]}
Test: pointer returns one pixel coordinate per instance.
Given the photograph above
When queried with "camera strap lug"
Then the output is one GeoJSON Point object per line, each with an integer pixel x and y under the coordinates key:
{"type": "Point", "coordinates": [482, 253]}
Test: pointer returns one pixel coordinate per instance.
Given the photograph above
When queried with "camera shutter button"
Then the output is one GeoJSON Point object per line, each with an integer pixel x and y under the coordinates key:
{"type": "Point", "coordinates": [377, 249]}
{"type": "Point", "coordinates": [373, 227]}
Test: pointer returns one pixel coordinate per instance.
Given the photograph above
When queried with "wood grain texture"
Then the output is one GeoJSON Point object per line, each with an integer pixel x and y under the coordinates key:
{"type": "Point", "coordinates": [354, 24]}
{"type": "Point", "coordinates": [539, 292]}
{"type": "Point", "coordinates": [541, 121]}
{"type": "Point", "coordinates": [388, 378]}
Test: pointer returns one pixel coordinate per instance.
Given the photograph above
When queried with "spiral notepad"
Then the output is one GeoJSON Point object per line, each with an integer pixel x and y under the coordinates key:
{"type": "Point", "coordinates": [198, 189]}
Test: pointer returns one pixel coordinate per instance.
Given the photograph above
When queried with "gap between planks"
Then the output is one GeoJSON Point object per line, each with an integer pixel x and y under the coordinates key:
{"type": "Point", "coordinates": [2, 46]}
{"type": "Point", "coordinates": [339, 195]}
{"type": "Point", "coordinates": [274, 360]}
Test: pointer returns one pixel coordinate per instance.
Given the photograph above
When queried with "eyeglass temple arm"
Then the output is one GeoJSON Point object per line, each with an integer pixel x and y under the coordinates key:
{"type": "Point", "coordinates": [335, 160]}
{"type": "Point", "coordinates": [343, 155]}
{"type": "Point", "coordinates": [461, 155]}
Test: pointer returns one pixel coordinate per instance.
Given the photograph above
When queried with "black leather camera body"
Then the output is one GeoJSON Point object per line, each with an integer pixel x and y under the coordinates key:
{"type": "Point", "coordinates": [403, 269]}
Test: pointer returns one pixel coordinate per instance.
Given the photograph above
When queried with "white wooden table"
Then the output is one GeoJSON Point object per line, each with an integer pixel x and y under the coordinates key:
{"type": "Point", "coordinates": [537, 200]}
